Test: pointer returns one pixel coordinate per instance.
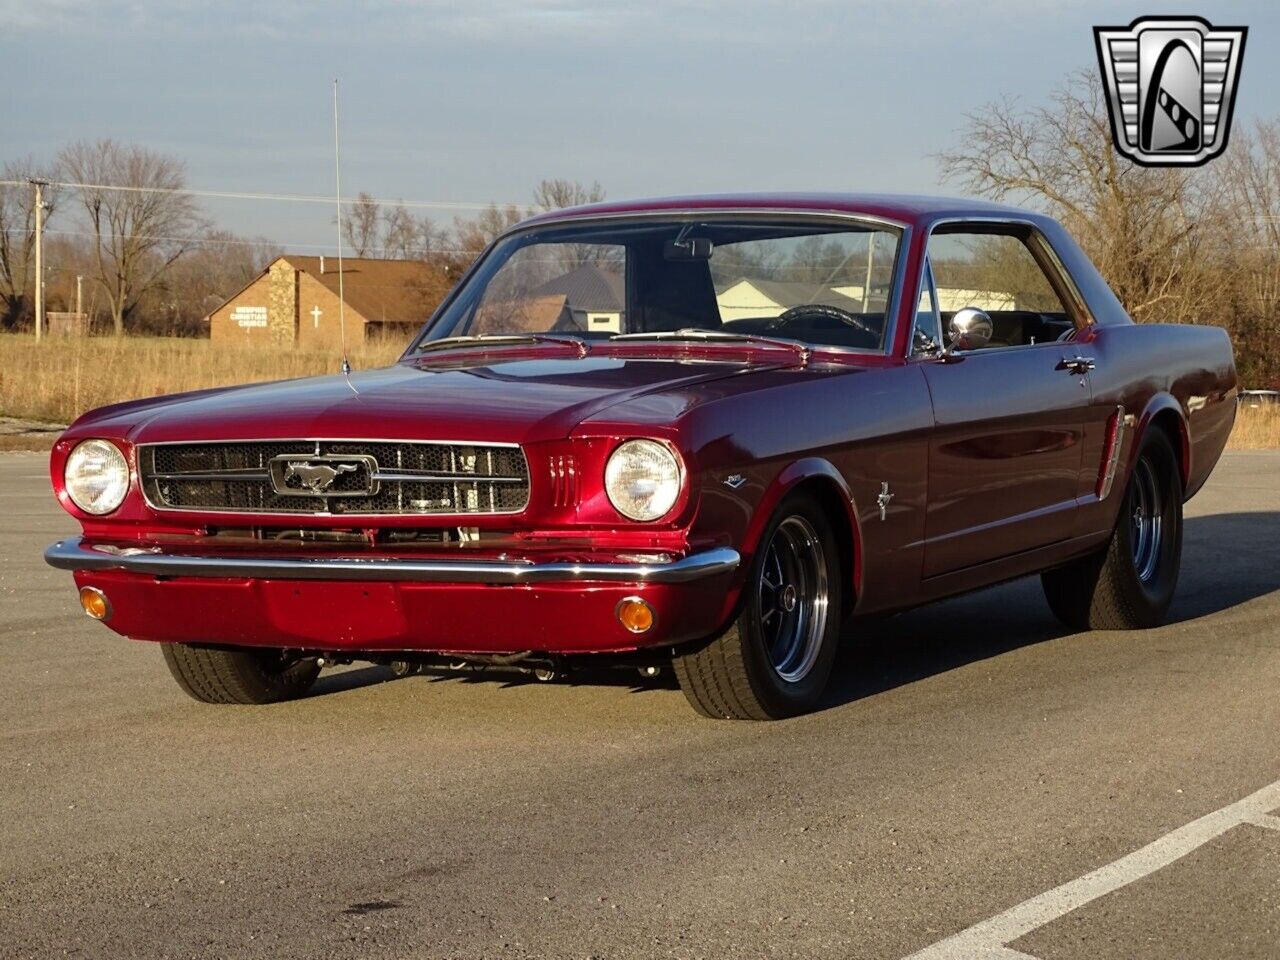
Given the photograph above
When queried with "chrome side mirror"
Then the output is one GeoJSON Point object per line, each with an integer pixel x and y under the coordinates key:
{"type": "Point", "coordinates": [969, 329]}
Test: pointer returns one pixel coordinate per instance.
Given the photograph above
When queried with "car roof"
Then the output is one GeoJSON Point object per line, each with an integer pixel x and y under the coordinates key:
{"type": "Point", "coordinates": [911, 209]}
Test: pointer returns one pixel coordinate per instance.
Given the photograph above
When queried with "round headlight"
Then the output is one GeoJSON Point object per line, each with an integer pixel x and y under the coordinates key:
{"type": "Point", "coordinates": [642, 479]}
{"type": "Point", "coordinates": [97, 476]}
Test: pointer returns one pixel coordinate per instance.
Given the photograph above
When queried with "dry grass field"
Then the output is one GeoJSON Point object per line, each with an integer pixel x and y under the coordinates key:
{"type": "Point", "coordinates": [1257, 428]}
{"type": "Point", "coordinates": [60, 379]}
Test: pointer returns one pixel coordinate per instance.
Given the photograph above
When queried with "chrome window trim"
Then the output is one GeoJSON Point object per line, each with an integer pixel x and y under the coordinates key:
{"type": "Point", "coordinates": [940, 339]}
{"type": "Point", "coordinates": [142, 481]}
{"type": "Point", "coordinates": [892, 305]}
{"type": "Point", "coordinates": [1042, 242]}
{"type": "Point", "coordinates": [995, 351]}
{"type": "Point", "coordinates": [719, 212]}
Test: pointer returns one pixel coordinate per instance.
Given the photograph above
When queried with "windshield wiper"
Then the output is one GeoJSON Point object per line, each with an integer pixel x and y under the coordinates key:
{"type": "Point", "coordinates": [447, 343]}
{"type": "Point", "coordinates": [695, 333]}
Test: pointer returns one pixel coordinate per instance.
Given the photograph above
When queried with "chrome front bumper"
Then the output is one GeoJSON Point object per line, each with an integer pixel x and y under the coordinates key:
{"type": "Point", "coordinates": [77, 553]}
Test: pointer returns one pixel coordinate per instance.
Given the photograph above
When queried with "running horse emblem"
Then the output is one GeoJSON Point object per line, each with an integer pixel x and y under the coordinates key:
{"type": "Point", "coordinates": [317, 477]}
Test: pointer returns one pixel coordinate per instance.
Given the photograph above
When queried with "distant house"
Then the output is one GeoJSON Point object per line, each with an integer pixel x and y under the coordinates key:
{"type": "Point", "coordinates": [951, 299]}
{"type": "Point", "coordinates": [771, 298]}
{"type": "Point", "coordinates": [532, 314]}
{"type": "Point", "coordinates": [593, 298]}
{"type": "Point", "coordinates": [295, 301]}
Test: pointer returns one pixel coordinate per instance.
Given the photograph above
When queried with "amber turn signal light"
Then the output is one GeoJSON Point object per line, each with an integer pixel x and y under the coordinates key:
{"type": "Point", "coordinates": [636, 615]}
{"type": "Point", "coordinates": [95, 603]}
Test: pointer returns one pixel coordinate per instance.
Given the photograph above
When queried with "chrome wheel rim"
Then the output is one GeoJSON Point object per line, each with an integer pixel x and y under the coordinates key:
{"type": "Point", "coordinates": [792, 597]}
{"type": "Point", "coordinates": [1146, 519]}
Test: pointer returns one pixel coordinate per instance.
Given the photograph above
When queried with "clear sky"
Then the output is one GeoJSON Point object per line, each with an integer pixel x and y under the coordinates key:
{"type": "Point", "coordinates": [476, 100]}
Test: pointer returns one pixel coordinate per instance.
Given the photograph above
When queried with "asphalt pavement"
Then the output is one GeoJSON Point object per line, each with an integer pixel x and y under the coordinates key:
{"type": "Point", "coordinates": [981, 782]}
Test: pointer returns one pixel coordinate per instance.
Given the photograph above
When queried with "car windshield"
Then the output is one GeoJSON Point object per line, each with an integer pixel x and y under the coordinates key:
{"type": "Point", "coordinates": [820, 282]}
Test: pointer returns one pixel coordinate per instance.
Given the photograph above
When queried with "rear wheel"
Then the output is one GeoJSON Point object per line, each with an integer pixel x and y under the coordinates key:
{"type": "Point", "coordinates": [775, 659]}
{"type": "Point", "coordinates": [244, 675]}
{"type": "Point", "coordinates": [1129, 583]}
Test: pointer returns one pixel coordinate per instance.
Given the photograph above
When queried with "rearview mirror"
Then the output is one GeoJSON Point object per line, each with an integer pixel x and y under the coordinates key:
{"type": "Point", "coordinates": [688, 248]}
{"type": "Point", "coordinates": [969, 329]}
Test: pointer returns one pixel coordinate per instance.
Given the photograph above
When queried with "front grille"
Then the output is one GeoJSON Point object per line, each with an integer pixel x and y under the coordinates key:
{"type": "Point", "coordinates": [349, 476]}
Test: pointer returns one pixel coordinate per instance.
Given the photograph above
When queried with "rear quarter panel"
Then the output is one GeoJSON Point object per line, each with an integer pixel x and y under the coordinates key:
{"type": "Point", "coordinates": [1185, 374]}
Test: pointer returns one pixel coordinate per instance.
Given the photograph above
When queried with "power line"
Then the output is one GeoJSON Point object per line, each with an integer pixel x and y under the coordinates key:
{"type": "Point", "coordinates": [228, 241]}
{"type": "Point", "coordinates": [245, 195]}
{"type": "Point", "coordinates": [315, 198]}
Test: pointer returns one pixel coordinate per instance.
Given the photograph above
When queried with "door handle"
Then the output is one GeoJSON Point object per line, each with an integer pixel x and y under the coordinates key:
{"type": "Point", "coordinates": [1077, 365]}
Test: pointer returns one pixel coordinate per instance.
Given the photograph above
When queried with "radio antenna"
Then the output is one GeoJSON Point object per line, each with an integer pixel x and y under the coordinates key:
{"type": "Point", "coordinates": [337, 194]}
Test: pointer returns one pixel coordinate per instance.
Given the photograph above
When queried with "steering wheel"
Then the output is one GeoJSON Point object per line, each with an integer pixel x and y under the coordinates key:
{"type": "Point", "coordinates": [822, 310]}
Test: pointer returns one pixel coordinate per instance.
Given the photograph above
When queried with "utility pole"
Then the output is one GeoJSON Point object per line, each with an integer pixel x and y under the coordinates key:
{"type": "Point", "coordinates": [39, 185]}
{"type": "Point", "coordinates": [79, 307]}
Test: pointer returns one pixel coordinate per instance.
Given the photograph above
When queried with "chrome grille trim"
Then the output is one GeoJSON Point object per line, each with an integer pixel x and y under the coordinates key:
{"type": "Point", "coordinates": [1113, 445]}
{"type": "Point", "coordinates": [407, 477]}
{"type": "Point", "coordinates": [564, 480]}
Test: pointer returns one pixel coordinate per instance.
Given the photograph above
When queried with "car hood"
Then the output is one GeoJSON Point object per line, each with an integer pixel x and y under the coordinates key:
{"type": "Point", "coordinates": [517, 401]}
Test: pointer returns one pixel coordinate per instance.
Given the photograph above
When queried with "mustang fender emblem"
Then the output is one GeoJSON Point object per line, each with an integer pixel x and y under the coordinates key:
{"type": "Point", "coordinates": [882, 501]}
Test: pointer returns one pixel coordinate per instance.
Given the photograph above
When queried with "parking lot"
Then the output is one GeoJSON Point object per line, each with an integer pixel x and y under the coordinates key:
{"type": "Point", "coordinates": [981, 783]}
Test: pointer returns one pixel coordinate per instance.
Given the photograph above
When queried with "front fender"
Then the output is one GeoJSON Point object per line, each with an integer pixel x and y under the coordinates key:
{"type": "Point", "coordinates": [808, 470]}
{"type": "Point", "coordinates": [828, 483]}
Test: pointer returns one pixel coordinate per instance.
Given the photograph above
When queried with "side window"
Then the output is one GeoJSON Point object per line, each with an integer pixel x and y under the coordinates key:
{"type": "Point", "coordinates": [928, 329]}
{"type": "Point", "coordinates": [996, 272]}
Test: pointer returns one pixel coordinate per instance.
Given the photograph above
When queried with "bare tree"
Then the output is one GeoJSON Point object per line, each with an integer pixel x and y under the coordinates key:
{"type": "Point", "coordinates": [361, 224]}
{"type": "Point", "coordinates": [453, 250]}
{"type": "Point", "coordinates": [431, 238]}
{"type": "Point", "coordinates": [17, 236]}
{"type": "Point", "coordinates": [557, 194]}
{"type": "Point", "coordinates": [470, 237]}
{"type": "Point", "coordinates": [1250, 176]}
{"type": "Point", "coordinates": [1151, 232]}
{"type": "Point", "coordinates": [1251, 184]}
{"type": "Point", "coordinates": [216, 269]}
{"type": "Point", "coordinates": [141, 218]}
{"type": "Point", "coordinates": [401, 235]}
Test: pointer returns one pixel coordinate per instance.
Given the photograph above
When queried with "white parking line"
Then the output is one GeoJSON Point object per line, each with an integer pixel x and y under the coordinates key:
{"type": "Point", "coordinates": [987, 940]}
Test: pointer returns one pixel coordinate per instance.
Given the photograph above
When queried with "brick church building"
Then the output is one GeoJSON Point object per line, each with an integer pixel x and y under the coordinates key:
{"type": "Point", "coordinates": [295, 301]}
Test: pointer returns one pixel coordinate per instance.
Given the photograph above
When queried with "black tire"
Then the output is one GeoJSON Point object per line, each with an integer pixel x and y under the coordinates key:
{"type": "Point", "coordinates": [1129, 583]}
{"type": "Point", "coordinates": [245, 675]}
{"type": "Point", "coordinates": [754, 670]}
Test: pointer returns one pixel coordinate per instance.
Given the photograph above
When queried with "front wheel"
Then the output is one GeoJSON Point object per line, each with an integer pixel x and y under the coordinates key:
{"type": "Point", "coordinates": [1129, 583]}
{"type": "Point", "coordinates": [775, 659]}
{"type": "Point", "coordinates": [239, 675]}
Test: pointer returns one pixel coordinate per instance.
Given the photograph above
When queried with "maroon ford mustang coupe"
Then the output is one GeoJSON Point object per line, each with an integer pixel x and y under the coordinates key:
{"type": "Point", "coordinates": [706, 432]}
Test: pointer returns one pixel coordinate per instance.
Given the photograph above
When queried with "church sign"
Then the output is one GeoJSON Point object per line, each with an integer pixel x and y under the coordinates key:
{"type": "Point", "coordinates": [249, 316]}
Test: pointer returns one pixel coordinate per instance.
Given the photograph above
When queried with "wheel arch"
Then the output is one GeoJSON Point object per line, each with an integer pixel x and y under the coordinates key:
{"type": "Point", "coordinates": [1164, 413]}
{"type": "Point", "coordinates": [820, 479]}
